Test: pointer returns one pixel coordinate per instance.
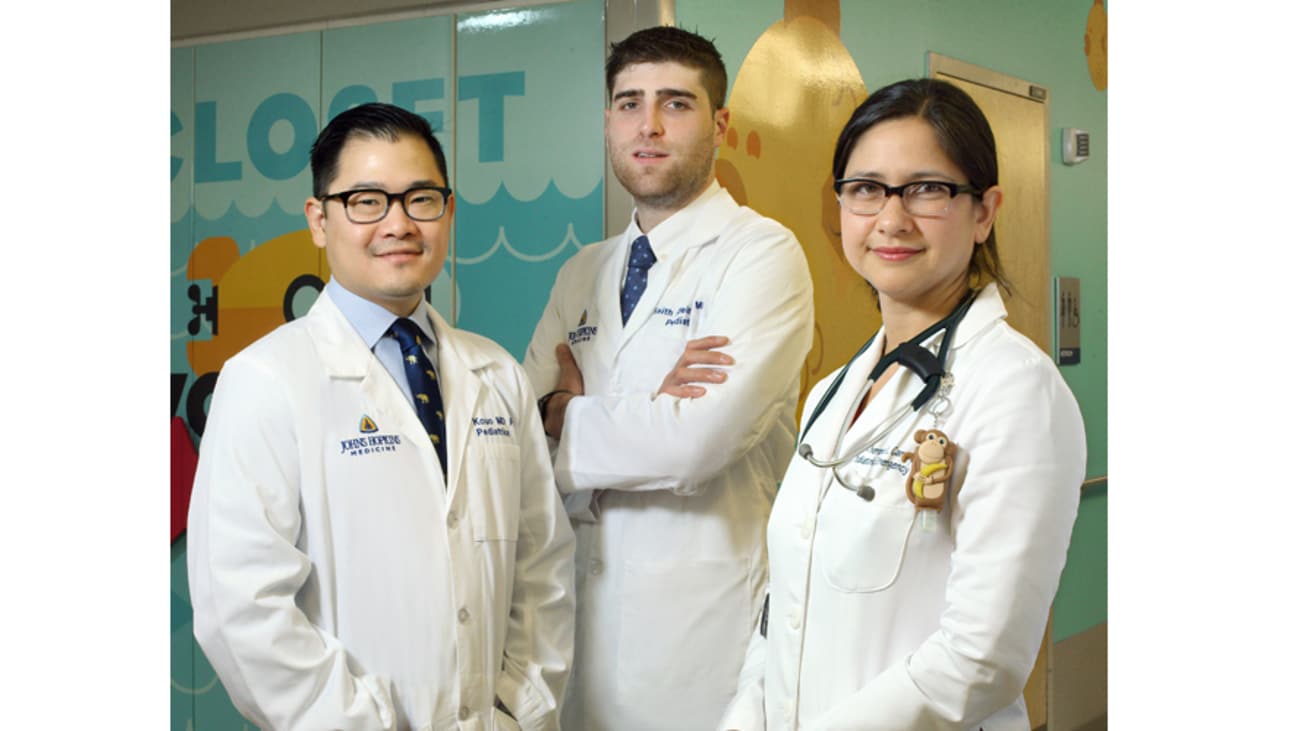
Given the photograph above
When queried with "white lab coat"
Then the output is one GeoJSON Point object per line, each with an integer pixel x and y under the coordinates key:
{"type": "Point", "coordinates": [337, 584]}
{"type": "Point", "coordinates": [671, 564]}
{"type": "Point", "coordinates": [951, 643]}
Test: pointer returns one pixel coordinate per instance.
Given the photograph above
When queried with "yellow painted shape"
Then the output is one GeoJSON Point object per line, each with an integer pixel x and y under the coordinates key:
{"type": "Point", "coordinates": [1094, 44]}
{"type": "Point", "coordinates": [250, 291]}
{"type": "Point", "coordinates": [793, 93]}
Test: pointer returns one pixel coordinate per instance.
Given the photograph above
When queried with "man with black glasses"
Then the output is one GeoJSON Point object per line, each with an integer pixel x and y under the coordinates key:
{"type": "Point", "coordinates": [375, 538]}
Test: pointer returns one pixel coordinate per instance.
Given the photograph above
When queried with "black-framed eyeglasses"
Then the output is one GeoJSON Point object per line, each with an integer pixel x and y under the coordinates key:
{"type": "Point", "coordinates": [370, 205]}
{"type": "Point", "coordinates": [866, 197]}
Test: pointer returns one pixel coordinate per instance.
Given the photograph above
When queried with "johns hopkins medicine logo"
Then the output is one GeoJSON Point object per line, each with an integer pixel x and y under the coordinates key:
{"type": "Point", "coordinates": [584, 332]}
{"type": "Point", "coordinates": [371, 443]}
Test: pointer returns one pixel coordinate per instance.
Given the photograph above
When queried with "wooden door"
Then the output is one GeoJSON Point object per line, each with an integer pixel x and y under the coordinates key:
{"type": "Point", "coordinates": [1017, 112]}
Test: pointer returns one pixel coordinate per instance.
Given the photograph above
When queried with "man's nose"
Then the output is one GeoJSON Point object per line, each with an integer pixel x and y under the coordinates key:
{"type": "Point", "coordinates": [651, 122]}
{"type": "Point", "coordinates": [396, 222]}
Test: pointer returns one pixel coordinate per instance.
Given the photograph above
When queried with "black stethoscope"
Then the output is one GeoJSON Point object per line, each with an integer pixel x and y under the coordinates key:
{"type": "Point", "coordinates": [911, 355]}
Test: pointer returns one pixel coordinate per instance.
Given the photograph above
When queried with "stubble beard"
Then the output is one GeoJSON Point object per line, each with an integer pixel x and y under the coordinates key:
{"type": "Point", "coordinates": [671, 190]}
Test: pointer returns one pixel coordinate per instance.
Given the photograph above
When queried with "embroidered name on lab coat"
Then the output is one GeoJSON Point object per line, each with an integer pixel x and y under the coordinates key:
{"type": "Point", "coordinates": [492, 426]}
{"type": "Point", "coordinates": [678, 316]}
{"type": "Point", "coordinates": [876, 456]}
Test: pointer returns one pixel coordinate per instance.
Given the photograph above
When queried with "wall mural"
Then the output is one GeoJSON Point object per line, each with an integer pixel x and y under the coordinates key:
{"type": "Point", "coordinates": [793, 93]}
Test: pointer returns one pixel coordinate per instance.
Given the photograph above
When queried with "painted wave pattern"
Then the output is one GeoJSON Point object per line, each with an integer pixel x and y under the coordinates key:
{"type": "Point", "coordinates": [535, 230]}
{"type": "Point", "coordinates": [550, 226]}
{"type": "Point", "coordinates": [530, 230]}
{"type": "Point", "coordinates": [508, 252]}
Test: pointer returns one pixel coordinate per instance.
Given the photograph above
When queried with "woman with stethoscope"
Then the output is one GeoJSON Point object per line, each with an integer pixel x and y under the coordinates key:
{"type": "Point", "coordinates": [918, 536]}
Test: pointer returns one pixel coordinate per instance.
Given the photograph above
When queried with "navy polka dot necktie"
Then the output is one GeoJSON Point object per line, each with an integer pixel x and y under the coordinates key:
{"type": "Point", "coordinates": [424, 386]}
{"type": "Point", "coordinates": [638, 265]}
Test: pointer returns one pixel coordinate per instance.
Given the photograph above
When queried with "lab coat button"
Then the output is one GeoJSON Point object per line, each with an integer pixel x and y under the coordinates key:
{"type": "Point", "coordinates": [789, 712]}
{"type": "Point", "coordinates": [597, 566]}
{"type": "Point", "coordinates": [463, 615]}
{"type": "Point", "coordinates": [451, 520]}
{"type": "Point", "coordinates": [794, 621]}
{"type": "Point", "coordinates": [806, 529]}
{"type": "Point", "coordinates": [463, 713]}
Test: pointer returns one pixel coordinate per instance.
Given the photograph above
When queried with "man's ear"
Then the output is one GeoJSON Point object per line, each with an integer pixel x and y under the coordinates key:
{"type": "Point", "coordinates": [721, 120]}
{"type": "Point", "coordinates": [314, 209]}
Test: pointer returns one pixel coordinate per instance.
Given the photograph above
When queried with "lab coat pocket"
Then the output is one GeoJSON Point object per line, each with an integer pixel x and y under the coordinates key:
{"type": "Point", "coordinates": [493, 490]}
{"type": "Point", "coordinates": [863, 544]}
{"type": "Point", "coordinates": [684, 625]}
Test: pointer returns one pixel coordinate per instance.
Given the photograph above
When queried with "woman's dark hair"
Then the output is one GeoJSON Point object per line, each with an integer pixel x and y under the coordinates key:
{"type": "Point", "coordinates": [963, 133]}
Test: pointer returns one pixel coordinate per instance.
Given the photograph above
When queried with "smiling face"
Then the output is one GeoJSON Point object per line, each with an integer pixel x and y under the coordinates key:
{"type": "Point", "coordinates": [389, 262]}
{"type": "Point", "coordinates": [920, 263]}
{"type": "Point", "coordinates": [661, 133]}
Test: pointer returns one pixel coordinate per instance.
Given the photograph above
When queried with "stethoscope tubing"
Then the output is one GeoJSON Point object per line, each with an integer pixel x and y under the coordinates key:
{"type": "Point", "coordinates": [931, 369]}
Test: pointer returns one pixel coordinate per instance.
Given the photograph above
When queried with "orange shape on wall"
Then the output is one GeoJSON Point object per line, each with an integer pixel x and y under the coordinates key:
{"type": "Point", "coordinates": [251, 294]}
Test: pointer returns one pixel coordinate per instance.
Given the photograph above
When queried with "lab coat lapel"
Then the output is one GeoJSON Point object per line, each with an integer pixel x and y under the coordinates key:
{"type": "Point", "coordinates": [609, 316]}
{"type": "Point", "coordinates": [656, 282]}
{"type": "Point", "coordinates": [986, 311]}
{"type": "Point", "coordinates": [844, 403]}
{"type": "Point", "coordinates": [697, 224]}
{"type": "Point", "coordinates": [459, 366]}
{"type": "Point", "coordinates": [345, 356]}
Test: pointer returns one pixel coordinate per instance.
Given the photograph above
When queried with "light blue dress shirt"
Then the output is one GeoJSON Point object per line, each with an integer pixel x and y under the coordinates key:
{"type": "Point", "coordinates": [371, 321]}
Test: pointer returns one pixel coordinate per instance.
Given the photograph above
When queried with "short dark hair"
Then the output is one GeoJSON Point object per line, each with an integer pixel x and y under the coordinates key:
{"type": "Point", "coordinates": [374, 119]}
{"type": "Point", "coordinates": [662, 44]}
{"type": "Point", "coordinates": [963, 133]}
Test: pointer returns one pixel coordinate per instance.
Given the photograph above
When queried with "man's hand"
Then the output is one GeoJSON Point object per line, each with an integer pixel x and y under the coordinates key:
{"type": "Point", "coordinates": [568, 386]}
{"type": "Point", "coordinates": [699, 352]}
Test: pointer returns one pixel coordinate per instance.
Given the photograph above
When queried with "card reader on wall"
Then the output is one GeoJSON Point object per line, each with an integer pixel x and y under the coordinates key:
{"type": "Point", "coordinates": [1074, 146]}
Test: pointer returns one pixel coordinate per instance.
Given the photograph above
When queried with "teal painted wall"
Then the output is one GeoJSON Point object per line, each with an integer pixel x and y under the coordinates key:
{"type": "Point", "coordinates": [1040, 42]}
{"type": "Point", "coordinates": [518, 109]}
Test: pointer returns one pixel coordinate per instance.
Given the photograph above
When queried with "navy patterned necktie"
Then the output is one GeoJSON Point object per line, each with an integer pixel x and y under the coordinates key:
{"type": "Point", "coordinates": [638, 265]}
{"type": "Point", "coordinates": [424, 386]}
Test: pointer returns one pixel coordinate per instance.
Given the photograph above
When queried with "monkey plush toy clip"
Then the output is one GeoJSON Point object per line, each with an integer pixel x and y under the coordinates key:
{"type": "Point", "coordinates": [927, 484]}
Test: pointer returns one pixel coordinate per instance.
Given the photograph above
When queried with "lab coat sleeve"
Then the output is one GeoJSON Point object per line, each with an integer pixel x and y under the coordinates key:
{"type": "Point", "coordinates": [280, 670]}
{"type": "Point", "coordinates": [1011, 523]}
{"type": "Point", "coordinates": [540, 364]}
{"type": "Point", "coordinates": [539, 630]}
{"type": "Point", "coordinates": [543, 370]}
{"type": "Point", "coordinates": [746, 711]}
{"type": "Point", "coordinates": [640, 441]}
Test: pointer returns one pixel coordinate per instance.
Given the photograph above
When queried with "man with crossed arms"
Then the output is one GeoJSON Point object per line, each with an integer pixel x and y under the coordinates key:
{"type": "Point", "coordinates": [668, 450]}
